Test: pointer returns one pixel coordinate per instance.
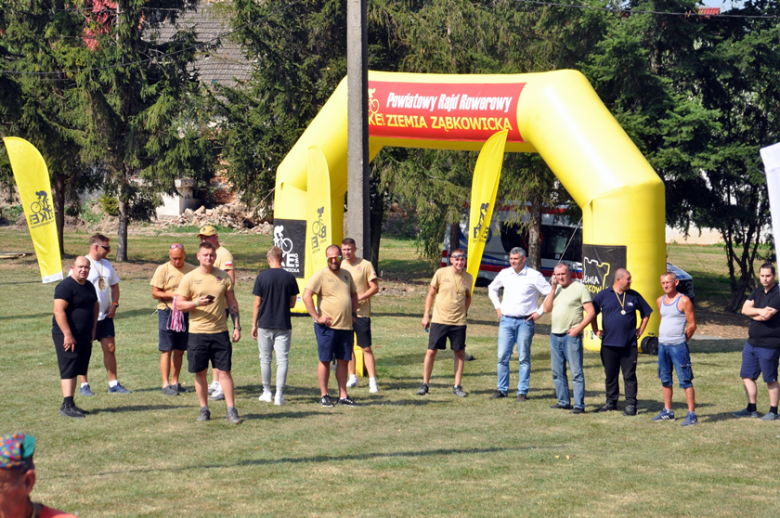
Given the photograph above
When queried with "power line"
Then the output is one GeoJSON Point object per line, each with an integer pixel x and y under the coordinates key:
{"type": "Point", "coordinates": [689, 14]}
{"type": "Point", "coordinates": [161, 56]}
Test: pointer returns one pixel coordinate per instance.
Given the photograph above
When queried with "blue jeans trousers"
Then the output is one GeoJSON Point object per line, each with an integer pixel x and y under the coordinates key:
{"type": "Point", "coordinates": [513, 331]}
{"type": "Point", "coordinates": [565, 349]}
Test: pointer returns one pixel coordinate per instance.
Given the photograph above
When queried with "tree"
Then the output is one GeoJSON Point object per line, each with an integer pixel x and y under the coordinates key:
{"type": "Point", "coordinates": [141, 121]}
{"type": "Point", "coordinates": [37, 36]}
{"type": "Point", "coordinates": [700, 97]}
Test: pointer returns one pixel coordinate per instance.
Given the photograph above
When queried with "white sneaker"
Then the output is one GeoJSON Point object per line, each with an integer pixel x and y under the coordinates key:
{"type": "Point", "coordinates": [214, 387]}
{"type": "Point", "coordinates": [266, 397]}
{"type": "Point", "coordinates": [373, 388]}
{"type": "Point", "coordinates": [279, 400]}
{"type": "Point", "coordinates": [353, 382]}
{"type": "Point", "coordinates": [217, 395]}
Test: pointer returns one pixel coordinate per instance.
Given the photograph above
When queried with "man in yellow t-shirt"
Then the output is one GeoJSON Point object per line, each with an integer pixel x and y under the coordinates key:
{"type": "Point", "coordinates": [165, 284]}
{"type": "Point", "coordinates": [451, 287]}
{"type": "Point", "coordinates": [333, 318]}
{"type": "Point", "coordinates": [224, 262]}
{"type": "Point", "coordinates": [206, 293]}
{"type": "Point", "coordinates": [367, 286]}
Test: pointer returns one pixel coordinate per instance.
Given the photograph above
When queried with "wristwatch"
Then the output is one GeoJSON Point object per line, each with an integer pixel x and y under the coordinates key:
{"type": "Point", "coordinates": [237, 327]}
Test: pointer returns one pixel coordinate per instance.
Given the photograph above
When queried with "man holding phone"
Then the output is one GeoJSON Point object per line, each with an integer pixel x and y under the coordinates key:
{"type": "Point", "coordinates": [207, 293]}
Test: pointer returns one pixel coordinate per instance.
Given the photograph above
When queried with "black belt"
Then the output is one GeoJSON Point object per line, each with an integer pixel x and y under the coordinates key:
{"type": "Point", "coordinates": [526, 317]}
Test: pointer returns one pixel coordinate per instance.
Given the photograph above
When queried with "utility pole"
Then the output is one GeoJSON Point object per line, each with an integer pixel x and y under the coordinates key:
{"type": "Point", "coordinates": [358, 172]}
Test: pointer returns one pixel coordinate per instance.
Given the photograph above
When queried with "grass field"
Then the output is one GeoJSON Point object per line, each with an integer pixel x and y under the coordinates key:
{"type": "Point", "coordinates": [395, 455]}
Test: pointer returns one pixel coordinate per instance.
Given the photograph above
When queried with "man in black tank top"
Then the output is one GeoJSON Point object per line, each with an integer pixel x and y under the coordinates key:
{"type": "Point", "coordinates": [678, 323]}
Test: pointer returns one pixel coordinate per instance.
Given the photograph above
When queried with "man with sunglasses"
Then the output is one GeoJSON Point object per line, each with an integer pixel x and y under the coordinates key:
{"type": "Point", "coordinates": [451, 288]}
{"type": "Point", "coordinates": [517, 311]}
{"type": "Point", "coordinates": [333, 318]}
{"type": "Point", "coordinates": [103, 276]}
{"type": "Point", "coordinates": [172, 343]}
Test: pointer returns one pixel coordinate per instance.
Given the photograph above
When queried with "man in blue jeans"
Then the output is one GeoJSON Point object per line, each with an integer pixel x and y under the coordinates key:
{"type": "Point", "coordinates": [566, 301]}
{"type": "Point", "coordinates": [518, 310]}
{"type": "Point", "coordinates": [678, 324]}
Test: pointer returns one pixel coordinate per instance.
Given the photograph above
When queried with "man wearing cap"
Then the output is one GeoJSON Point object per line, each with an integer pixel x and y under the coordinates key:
{"type": "Point", "coordinates": [333, 318]}
{"type": "Point", "coordinates": [17, 479]}
{"type": "Point", "coordinates": [172, 331]}
{"type": "Point", "coordinates": [517, 311]}
{"type": "Point", "coordinates": [451, 289]}
{"type": "Point", "coordinates": [224, 262]}
{"type": "Point", "coordinates": [207, 293]}
{"type": "Point", "coordinates": [106, 282]}
{"type": "Point", "coordinates": [73, 330]}
{"type": "Point", "coordinates": [367, 285]}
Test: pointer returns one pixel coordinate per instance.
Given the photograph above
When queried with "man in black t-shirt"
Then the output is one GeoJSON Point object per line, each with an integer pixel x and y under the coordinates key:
{"type": "Point", "coordinates": [73, 330]}
{"type": "Point", "coordinates": [275, 294]}
{"type": "Point", "coordinates": [618, 306]}
{"type": "Point", "coordinates": [761, 353]}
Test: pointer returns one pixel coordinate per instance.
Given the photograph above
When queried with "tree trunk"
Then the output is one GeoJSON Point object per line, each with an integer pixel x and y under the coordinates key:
{"type": "Point", "coordinates": [377, 214]}
{"type": "Point", "coordinates": [59, 209]}
{"type": "Point", "coordinates": [535, 234]}
{"type": "Point", "coordinates": [454, 236]}
{"type": "Point", "coordinates": [121, 248]}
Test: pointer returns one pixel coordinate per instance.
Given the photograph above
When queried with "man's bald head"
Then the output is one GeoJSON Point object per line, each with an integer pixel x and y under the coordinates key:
{"type": "Point", "coordinates": [620, 273]}
{"type": "Point", "coordinates": [81, 266]}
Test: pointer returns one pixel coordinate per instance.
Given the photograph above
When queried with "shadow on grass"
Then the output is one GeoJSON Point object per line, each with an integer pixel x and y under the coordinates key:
{"type": "Point", "coordinates": [280, 415]}
{"type": "Point", "coordinates": [26, 317]}
{"type": "Point", "coordinates": [136, 408]}
{"type": "Point", "coordinates": [717, 346]}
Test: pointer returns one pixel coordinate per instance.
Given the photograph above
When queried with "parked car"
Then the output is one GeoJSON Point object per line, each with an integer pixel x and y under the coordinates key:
{"type": "Point", "coordinates": [686, 281]}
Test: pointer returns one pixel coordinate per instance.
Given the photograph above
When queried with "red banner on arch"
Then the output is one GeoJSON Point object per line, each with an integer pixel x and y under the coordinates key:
{"type": "Point", "coordinates": [443, 111]}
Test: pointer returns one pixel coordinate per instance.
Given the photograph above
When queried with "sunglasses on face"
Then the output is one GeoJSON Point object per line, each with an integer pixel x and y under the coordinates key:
{"type": "Point", "coordinates": [106, 248]}
{"type": "Point", "coordinates": [336, 259]}
{"type": "Point", "coordinates": [457, 257]}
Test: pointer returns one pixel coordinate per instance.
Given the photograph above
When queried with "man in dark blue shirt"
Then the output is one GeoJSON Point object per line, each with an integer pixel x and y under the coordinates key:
{"type": "Point", "coordinates": [618, 306]}
{"type": "Point", "coordinates": [762, 350]}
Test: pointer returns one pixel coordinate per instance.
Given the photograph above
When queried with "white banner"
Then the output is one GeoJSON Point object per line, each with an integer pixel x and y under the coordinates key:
{"type": "Point", "coordinates": [771, 157]}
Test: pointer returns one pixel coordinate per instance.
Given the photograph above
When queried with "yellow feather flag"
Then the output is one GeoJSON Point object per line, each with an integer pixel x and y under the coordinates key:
{"type": "Point", "coordinates": [484, 188]}
{"type": "Point", "coordinates": [32, 179]}
{"type": "Point", "coordinates": [319, 228]}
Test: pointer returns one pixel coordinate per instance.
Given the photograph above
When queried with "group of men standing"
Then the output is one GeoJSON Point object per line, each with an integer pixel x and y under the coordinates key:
{"type": "Point", "coordinates": [195, 301]}
{"type": "Point", "coordinates": [573, 309]}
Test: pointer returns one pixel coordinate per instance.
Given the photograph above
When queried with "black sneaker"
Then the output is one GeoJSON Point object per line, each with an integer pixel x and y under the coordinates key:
{"type": "Point", "coordinates": [182, 388]}
{"type": "Point", "coordinates": [326, 401]}
{"type": "Point", "coordinates": [630, 410]}
{"type": "Point", "coordinates": [170, 390]}
{"type": "Point", "coordinates": [607, 408]}
{"type": "Point", "coordinates": [497, 395]}
{"type": "Point", "coordinates": [458, 391]}
{"type": "Point", "coordinates": [422, 390]}
{"type": "Point", "coordinates": [205, 414]}
{"type": "Point", "coordinates": [71, 411]}
{"type": "Point", "coordinates": [348, 401]}
{"type": "Point", "coordinates": [232, 416]}
{"type": "Point", "coordinates": [562, 407]}
{"type": "Point", "coordinates": [468, 358]}
{"type": "Point", "coordinates": [577, 410]}
{"type": "Point", "coordinates": [521, 398]}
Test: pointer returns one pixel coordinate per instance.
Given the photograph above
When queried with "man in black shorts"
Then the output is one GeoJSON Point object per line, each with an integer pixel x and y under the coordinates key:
{"type": "Point", "coordinates": [73, 330]}
{"type": "Point", "coordinates": [451, 287]}
{"type": "Point", "coordinates": [206, 293]}
{"type": "Point", "coordinates": [337, 298]}
{"type": "Point", "coordinates": [762, 349]}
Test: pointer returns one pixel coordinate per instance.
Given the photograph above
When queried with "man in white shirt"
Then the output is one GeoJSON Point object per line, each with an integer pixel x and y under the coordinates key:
{"type": "Point", "coordinates": [106, 282]}
{"type": "Point", "coordinates": [517, 312]}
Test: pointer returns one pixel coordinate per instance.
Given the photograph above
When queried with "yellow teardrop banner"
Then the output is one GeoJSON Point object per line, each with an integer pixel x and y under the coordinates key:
{"type": "Point", "coordinates": [484, 188]}
{"type": "Point", "coordinates": [319, 228]}
{"type": "Point", "coordinates": [32, 180]}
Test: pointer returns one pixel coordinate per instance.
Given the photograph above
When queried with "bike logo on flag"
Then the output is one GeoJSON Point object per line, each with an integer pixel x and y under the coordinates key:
{"type": "Point", "coordinates": [41, 212]}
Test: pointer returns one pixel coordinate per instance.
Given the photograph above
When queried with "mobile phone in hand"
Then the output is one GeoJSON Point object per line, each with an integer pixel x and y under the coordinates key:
{"type": "Point", "coordinates": [210, 297]}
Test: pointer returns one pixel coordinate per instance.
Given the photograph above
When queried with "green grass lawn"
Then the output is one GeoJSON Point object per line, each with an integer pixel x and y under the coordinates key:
{"type": "Point", "coordinates": [395, 455]}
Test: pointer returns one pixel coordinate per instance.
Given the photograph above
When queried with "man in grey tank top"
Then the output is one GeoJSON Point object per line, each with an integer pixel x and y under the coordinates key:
{"type": "Point", "coordinates": [676, 311]}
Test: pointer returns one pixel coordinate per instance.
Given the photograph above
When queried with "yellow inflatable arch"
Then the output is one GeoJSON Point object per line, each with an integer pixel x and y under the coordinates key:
{"type": "Point", "coordinates": [556, 114]}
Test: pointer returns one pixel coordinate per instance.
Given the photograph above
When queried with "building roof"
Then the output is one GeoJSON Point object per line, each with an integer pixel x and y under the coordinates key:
{"type": "Point", "coordinates": [224, 64]}
{"type": "Point", "coordinates": [709, 11]}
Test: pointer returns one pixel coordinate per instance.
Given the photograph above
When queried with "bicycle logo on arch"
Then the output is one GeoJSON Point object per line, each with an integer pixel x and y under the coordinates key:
{"type": "Point", "coordinates": [319, 231]}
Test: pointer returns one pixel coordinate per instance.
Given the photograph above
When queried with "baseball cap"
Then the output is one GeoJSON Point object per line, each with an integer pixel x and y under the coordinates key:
{"type": "Point", "coordinates": [207, 231]}
{"type": "Point", "coordinates": [16, 451]}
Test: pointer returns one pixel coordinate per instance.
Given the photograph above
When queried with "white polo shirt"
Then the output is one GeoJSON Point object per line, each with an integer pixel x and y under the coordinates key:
{"type": "Point", "coordinates": [521, 291]}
